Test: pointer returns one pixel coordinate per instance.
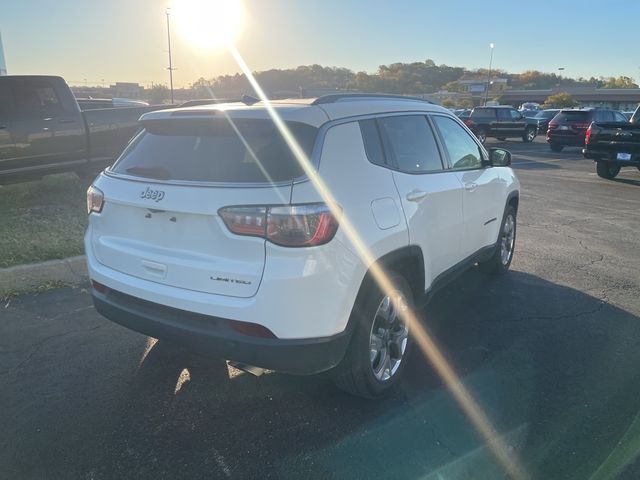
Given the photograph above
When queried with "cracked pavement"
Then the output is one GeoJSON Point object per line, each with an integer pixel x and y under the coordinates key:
{"type": "Point", "coordinates": [549, 351]}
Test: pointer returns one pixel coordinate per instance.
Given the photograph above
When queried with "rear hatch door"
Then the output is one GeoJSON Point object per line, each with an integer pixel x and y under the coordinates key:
{"type": "Point", "coordinates": [160, 218]}
{"type": "Point", "coordinates": [570, 123]}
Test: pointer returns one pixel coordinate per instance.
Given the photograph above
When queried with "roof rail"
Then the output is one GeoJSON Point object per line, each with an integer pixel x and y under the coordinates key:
{"type": "Point", "coordinates": [336, 97]}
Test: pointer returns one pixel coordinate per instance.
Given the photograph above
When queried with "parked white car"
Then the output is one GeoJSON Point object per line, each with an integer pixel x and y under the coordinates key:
{"type": "Point", "coordinates": [206, 230]}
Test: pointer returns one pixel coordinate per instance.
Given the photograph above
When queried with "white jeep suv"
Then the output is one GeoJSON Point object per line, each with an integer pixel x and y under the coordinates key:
{"type": "Point", "coordinates": [206, 230]}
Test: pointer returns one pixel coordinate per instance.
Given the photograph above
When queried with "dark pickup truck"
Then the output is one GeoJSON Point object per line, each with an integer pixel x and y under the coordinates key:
{"type": "Point", "coordinates": [613, 145]}
{"type": "Point", "coordinates": [501, 122]}
{"type": "Point", "coordinates": [42, 130]}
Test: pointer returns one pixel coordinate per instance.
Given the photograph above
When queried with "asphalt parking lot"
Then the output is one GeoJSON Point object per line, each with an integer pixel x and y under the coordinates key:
{"type": "Point", "coordinates": [549, 351]}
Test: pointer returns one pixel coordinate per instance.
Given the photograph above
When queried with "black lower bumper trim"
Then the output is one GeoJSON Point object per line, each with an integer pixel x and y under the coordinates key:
{"type": "Point", "coordinates": [214, 336]}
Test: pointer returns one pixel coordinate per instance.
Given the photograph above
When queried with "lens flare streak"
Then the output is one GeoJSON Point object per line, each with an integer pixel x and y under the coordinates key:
{"type": "Point", "coordinates": [428, 347]}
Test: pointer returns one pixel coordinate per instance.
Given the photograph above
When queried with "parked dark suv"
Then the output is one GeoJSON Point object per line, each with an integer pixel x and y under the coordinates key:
{"type": "Point", "coordinates": [568, 128]}
{"type": "Point", "coordinates": [501, 122]}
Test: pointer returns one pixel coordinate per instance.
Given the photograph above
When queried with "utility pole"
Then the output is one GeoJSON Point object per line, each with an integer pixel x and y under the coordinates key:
{"type": "Point", "coordinates": [170, 63]}
{"type": "Point", "coordinates": [486, 92]}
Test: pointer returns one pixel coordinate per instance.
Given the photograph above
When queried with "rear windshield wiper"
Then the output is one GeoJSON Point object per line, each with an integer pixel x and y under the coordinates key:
{"type": "Point", "coordinates": [158, 173]}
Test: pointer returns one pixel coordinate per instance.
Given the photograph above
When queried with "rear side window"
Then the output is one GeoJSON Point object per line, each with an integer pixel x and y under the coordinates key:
{"type": "Point", "coordinates": [411, 143]}
{"type": "Point", "coordinates": [546, 114]}
{"type": "Point", "coordinates": [247, 151]}
{"type": "Point", "coordinates": [603, 116]}
{"type": "Point", "coordinates": [463, 151]}
{"type": "Point", "coordinates": [372, 143]}
{"type": "Point", "coordinates": [572, 116]}
{"type": "Point", "coordinates": [619, 117]}
{"type": "Point", "coordinates": [36, 98]}
{"type": "Point", "coordinates": [489, 113]}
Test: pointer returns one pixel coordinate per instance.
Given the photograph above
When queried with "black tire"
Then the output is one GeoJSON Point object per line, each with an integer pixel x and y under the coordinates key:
{"type": "Point", "coordinates": [496, 264]}
{"type": "Point", "coordinates": [555, 147]}
{"type": "Point", "coordinates": [355, 373]}
{"type": "Point", "coordinates": [502, 139]}
{"type": "Point", "coordinates": [529, 134]}
{"type": "Point", "coordinates": [481, 134]}
{"type": "Point", "coordinates": [606, 170]}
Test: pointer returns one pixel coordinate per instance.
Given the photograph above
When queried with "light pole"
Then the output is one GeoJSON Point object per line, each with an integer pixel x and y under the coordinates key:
{"type": "Point", "coordinates": [560, 69]}
{"type": "Point", "coordinates": [486, 92]}
{"type": "Point", "coordinates": [170, 68]}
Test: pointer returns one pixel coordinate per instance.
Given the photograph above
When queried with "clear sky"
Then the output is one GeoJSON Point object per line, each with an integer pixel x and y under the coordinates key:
{"type": "Point", "coordinates": [125, 40]}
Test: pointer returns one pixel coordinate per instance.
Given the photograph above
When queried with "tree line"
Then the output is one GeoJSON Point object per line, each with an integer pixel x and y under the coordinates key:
{"type": "Point", "coordinates": [399, 78]}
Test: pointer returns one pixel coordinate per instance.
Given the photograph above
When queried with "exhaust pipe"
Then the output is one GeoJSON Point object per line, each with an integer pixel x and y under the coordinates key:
{"type": "Point", "coordinates": [255, 371]}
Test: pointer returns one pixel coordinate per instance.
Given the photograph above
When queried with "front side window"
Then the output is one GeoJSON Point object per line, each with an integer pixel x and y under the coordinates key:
{"type": "Point", "coordinates": [411, 143]}
{"type": "Point", "coordinates": [515, 115]}
{"type": "Point", "coordinates": [463, 151]}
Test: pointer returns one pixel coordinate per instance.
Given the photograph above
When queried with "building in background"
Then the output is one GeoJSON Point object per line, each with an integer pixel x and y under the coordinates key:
{"type": "Point", "coordinates": [3, 64]}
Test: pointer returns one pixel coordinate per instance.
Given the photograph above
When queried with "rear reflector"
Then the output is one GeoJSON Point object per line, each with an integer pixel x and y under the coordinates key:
{"type": "Point", "coordinates": [251, 329]}
{"type": "Point", "coordinates": [288, 225]}
{"type": "Point", "coordinates": [98, 287]}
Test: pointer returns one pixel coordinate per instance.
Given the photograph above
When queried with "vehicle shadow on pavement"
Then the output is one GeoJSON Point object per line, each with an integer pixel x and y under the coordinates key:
{"type": "Point", "coordinates": [537, 357]}
{"type": "Point", "coordinates": [554, 369]}
{"type": "Point", "coordinates": [628, 181]}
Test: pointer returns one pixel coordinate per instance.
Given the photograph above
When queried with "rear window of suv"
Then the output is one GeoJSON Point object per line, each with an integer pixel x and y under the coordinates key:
{"type": "Point", "coordinates": [572, 116]}
{"type": "Point", "coordinates": [215, 150]}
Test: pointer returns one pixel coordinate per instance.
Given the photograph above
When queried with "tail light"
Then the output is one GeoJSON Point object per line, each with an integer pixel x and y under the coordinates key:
{"type": "Point", "coordinates": [552, 125]}
{"type": "Point", "coordinates": [287, 225]}
{"type": "Point", "coordinates": [469, 123]}
{"type": "Point", "coordinates": [587, 136]}
{"type": "Point", "coordinates": [580, 125]}
{"type": "Point", "coordinates": [95, 200]}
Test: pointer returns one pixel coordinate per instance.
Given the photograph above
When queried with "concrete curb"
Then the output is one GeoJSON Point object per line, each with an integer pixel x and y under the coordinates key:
{"type": "Point", "coordinates": [71, 270]}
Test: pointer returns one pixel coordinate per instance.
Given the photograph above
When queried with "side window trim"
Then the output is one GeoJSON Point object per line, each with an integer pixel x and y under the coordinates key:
{"type": "Point", "coordinates": [444, 155]}
{"type": "Point", "coordinates": [385, 159]}
{"type": "Point", "coordinates": [389, 156]}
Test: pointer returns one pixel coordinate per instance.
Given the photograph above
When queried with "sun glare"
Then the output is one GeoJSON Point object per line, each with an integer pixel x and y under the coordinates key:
{"type": "Point", "coordinates": [208, 24]}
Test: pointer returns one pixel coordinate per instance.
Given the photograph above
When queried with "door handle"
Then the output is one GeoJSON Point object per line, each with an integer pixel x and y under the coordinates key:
{"type": "Point", "coordinates": [68, 120]}
{"type": "Point", "coordinates": [416, 195]}
{"type": "Point", "coordinates": [470, 186]}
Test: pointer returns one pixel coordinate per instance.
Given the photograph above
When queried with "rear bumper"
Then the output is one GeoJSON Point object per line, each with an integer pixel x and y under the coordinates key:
{"type": "Point", "coordinates": [215, 336]}
{"type": "Point", "coordinates": [566, 140]}
{"type": "Point", "coordinates": [610, 157]}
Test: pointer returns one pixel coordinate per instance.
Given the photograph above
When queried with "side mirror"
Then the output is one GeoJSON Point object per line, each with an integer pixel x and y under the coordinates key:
{"type": "Point", "coordinates": [498, 157]}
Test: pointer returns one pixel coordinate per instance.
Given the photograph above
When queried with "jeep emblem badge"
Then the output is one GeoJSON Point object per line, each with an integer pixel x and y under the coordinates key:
{"type": "Point", "coordinates": [155, 195]}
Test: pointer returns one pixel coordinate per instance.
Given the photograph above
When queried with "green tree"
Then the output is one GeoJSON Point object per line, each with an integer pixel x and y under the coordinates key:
{"type": "Point", "coordinates": [559, 100]}
{"type": "Point", "coordinates": [157, 93]}
{"type": "Point", "coordinates": [620, 82]}
{"type": "Point", "coordinates": [202, 88]}
{"type": "Point", "coordinates": [466, 103]}
{"type": "Point", "coordinates": [448, 103]}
